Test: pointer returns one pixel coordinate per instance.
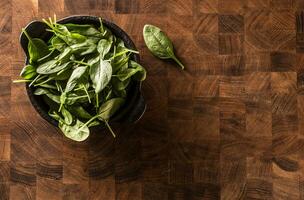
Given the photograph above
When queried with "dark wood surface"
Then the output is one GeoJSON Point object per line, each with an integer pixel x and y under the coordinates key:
{"type": "Point", "coordinates": [231, 126]}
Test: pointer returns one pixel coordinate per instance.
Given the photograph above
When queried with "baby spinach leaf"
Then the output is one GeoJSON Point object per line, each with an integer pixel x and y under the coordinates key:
{"type": "Point", "coordinates": [137, 71]}
{"type": "Point", "coordinates": [52, 66]}
{"type": "Point", "coordinates": [84, 48]}
{"type": "Point", "coordinates": [77, 132]}
{"type": "Point", "coordinates": [100, 74]}
{"type": "Point", "coordinates": [159, 44]}
{"type": "Point", "coordinates": [68, 118]}
{"type": "Point", "coordinates": [76, 75]}
{"type": "Point", "coordinates": [83, 29]}
{"type": "Point", "coordinates": [104, 47]}
{"type": "Point", "coordinates": [37, 48]}
{"type": "Point", "coordinates": [43, 91]}
{"type": "Point", "coordinates": [80, 112]}
{"type": "Point", "coordinates": [58, 43]}
{"type": "Point", "coordinates": [28, 72]}
{"type": "Point", "coordinates": [109, 108]}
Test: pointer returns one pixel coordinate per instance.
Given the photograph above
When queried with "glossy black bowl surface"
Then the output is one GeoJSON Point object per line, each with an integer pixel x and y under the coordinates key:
{"type": "Point", "coordinates": [135, 105]}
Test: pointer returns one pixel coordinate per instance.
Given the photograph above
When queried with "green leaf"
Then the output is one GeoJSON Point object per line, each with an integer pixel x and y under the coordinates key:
{"type": "Point", "coordinates": [80, 112]}
{"type": "Point", "coordinates": [44, 91]}
{"type": "Point", "coordinates": [77, 132]}
{"type": "Point", "coordinates": [84, 48]}
{"type": "Point", "coordinates": [159, 44]}
{"type": "Point", "coordinates": [76, 75]}
{"type": "Point", "coordinates": [68, 118]}
{"type": "Point", "coordinates": [104, 47]}
{"type": "Point", "coordinates": [37, 48]}
{"type": "Point", "coordinates": [52, 66]}
{"type": "Point", "coordinates": [100, 74]}
{"type": "Point", "coordinates": [109, 108]}
{"type": "Point", "coordinates": [136, 70]}
{"type": "Point", "coordinates": [58, 43]}
{"type": "Point", "coordinates": [83, 29]}
{"type": "Point", "coordinates": [28, 72]}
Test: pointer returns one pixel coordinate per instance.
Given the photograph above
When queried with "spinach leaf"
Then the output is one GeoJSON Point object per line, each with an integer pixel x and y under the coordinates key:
{"type": "Point", "coordinates": [84, 48]}
{"type": "Point", "coordinates": [80, 112]}
{"type": "Point", "coordinates": [28, 72]}
{"type": "Point", "coordinates": [52, 66]}
{"type": "Point", "coordinates": [109, 108]}
{"type": "Point", "coordinates": [58, 43]}
{"type": "Point", "coordinates": [43, 91]}
{"type": "Point", "coordinates": [37, 48]}
{"type": "Point", "coordinates": [104, 47]}
{"type": "Point", "coordinates": [77, 132]}
{"type": "Point", "coordinates": [76, 75]}
{"type": "Point", "coordinates": [68, 118]}
{"type": "Point", "coordinates": [159, 44]}
{"type": "Point", "coordinates": [137, 71]}
{"type": "Point", "coordinates": [100, 74]}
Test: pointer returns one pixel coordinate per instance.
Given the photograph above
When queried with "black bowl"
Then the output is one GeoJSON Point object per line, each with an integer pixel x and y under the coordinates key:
{"type": "Point", "coordinates": [134, 106]}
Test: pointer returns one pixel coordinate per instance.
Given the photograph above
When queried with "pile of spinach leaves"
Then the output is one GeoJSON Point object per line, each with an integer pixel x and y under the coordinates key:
{"type": "Point", "coordinates": [82, 73]}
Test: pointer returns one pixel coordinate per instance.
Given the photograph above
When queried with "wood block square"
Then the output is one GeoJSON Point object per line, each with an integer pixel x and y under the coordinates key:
{"type": "Point", "coordinates": [4, 172]}
{"type": "Point", "coordinates": [285, 104]}
{"type": "Point", "coordinates": [258, 83]}
{"type": "Point", "coordinates": [5, 191]}
{"type": "Point", "coordinates": [210, 65]}
{"type": "Point", "coordinates": [231, 24]}
{"type": "Point", "coordinates": [75, 191]}
{"type": "Point", "coordinates": [152, 6]}
{"type": "Point", "coordinates": [257, 62]}
{"type": "Point", "coordinates": [258, 189]}
{"type": "Point", "coordinates": [206, 86]}
{"type": "Point", "coordinates": [127, 6]}
{"type": "Point", "coordinates": [284, 82]}
{"type": "Point", "coordinates": [231, 6]}
{"type": "Point", "coordinates": [283, 20]}
{"type": "Point", "coordinates": [153, 191]}
{"type": "Point", "coordinates": [282, 61]}
{"type": "Point", "coordinates": [258, 4]}
{"type": "Point", "coordinates": [283, 40]}
{"type": "Point", "coordinates": [127, 171]}
{"type": "Point", "coordinates": [300, 101]}
{"type": "Point", "coordinates": [5, 149]}
{"type": "Point", "coordinates": [258, 124]}
{"type": "Point", "coordinates": [197, 150]}
{"type": "Point", "coordinates": [73, 6]}
{"type": "Point", "coordinates": [129, 190]}
{"type": "Point", "coordinates": [232, 126]}
{"type": "Point", "coordinates": [180, 109]}
{"type": "Point", "coordinates": [49, 188]}
{"type": "Point", "coordinates": [180, 7]}
{"type": "Point", "coordinates": [284, 124]}
{"type": "Point", "coordinates": [207, 43]}
{"type": "Point", "coordinates": [285, 145]}
{"type": "Point", "coordinates": [155, 171]}
{"type": "Point", "coordinates": [180, 25]}
{"type": "Point", "coordinates": [153, 150]}
{"type": "Point", "coordinates": [102, 189]}
{"type": "Point", "coordinates": [181, 130]}
{"type": "Point", "coordinates": [233, 65]}
{"type": "Point", "coordinates": [257, 20]}
{"type": "Point", "coordinates": [232, 105]}
{"type": "Point", "coordinates": [282, 4]}
{"type": "Point", "coordinates": [299, 21]}
{"type": "Point", "coordinates": [206, 23]}
{"type": "Point", "coordinates": [6, 16]}
{"type": "Point", "coordinates": [207, 171]}
{"type": "Point", "coordinates": [300, 42]}
{"type": "Point", "coordinates": [286, 188]}
{"type": "Point", "coordinates": [231, 44]}
{"type": "Point", "coordinates": [257, 41]}
{"type": "Point", "coordinates": [19, 191]}
{"type": "Point", "coordinates": [206, 6]}
{"type": "Point", "coordinates": [51, 6]}
{"type": "Point", "coordinates": [180, 173]}
{"type": "Point", "coordinates": [23, 173]}
{"type": "Point", "coordinates": [178, 89]}
{"type": "Point", "coordinates": [50, 169]}
{"type": "Point", "coordinates": [232, 86]}
{"type": "Point", "coordinates": [258, 167]}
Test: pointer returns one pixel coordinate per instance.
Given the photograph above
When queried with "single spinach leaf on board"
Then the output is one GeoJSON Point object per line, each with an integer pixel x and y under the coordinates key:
{"type": "Point", "coordinates": [104, 47]}
{"type": "Point", "coordinates": [67, 116]}
{"type": "Point", "coordinates": [100, 74]}
{"type": "Point", "coordinates": [77, 132]}
{"type": "Point", "coordinates": [109, 108]}
{"type": "Point", "coordinates": [28, 72]}
{"type": "Point", "coordinates": [37, 48]}
{"type": "Point", "coordinates": [76, 75]}
{"type": "Point", "coordinates": [159, 43]}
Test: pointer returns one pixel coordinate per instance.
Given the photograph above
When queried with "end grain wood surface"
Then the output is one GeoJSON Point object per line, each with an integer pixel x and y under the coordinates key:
{"type": "Point", "coordinates": [231, 126]}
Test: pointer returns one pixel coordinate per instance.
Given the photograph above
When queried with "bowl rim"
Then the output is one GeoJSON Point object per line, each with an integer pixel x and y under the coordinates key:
{"type": "Point", "coordinates": [129, 43]}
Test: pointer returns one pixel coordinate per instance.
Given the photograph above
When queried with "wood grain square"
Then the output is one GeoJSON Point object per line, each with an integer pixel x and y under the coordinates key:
{"type": "Point", "coordinates": [284, 125]}
{"type": "Point", "coordinates": [178, 89]}
{"type": "Point", "coordinates": [51, 6]}
{"type": "Point", "coordinates": [205, 6]}
{"type": "Point", "coordinates": [152, 6]}
{"type": "Point", "coordinates": [207, 86]}
{"type": "Point", "coordinates": [127, 171]}
{"type": "Point", "coordinates": [259, 168]}
{"type": "Point", "coordinates": [180, 109]}
{"type": "Point", "coordinates": [232, 105]}
{"type": "Point", "coordinates": [206, 23]}
{"type": "Point", "coordinates": [300, 42]}
{"type": "Point", "coordinates": [79, 5]}
{"type": "Point", "coordinates": [285, 188]}
{"type": "Point", "coordinates": [231, 44]}
{"type": "Point", "coordinates": [207, 43]}
{"type": "Point", "coordinates": [102, 189]}
{"type": "Point", "coordinates": [257, 62]}
{"type": "Point", "coordinates": [282, 61]}
{"type": "Point", "coordinates": [233, 65]}
{"type": "Point", "coordinates": [5, 149]}
{"type": "Point", "coordinates": [232, 87]}
{"type": "Point", "coordinates": [152, 191]}
{"type": "Point", "coordinates": [285, 145]}
{"type": "Point", "coordinates": [258, 189]}
{"type": "Point", "coordinates": [210, 65]}
{"type": "Point", "coordinates": [180, 7]}
{"type": "Point", "coordinates": [299, 15]}
{"type": "Point", "coordinates": [75, 191]}
{"type": "Point", "coordinates": [180, 173]}
{"type": "Point", "coordinates": [6, 16]}
{"type": "Point", "coordinates": [232, 126]}
{"type": "Point", "coordinates": [283, 40]}
{"type": "Point", "coordinates": [128, 6]}
{"type": "Point", "coordinates": [257, 4]}
{"type": "Point", "coordinates": [300, 107]}
{"type": "Point", "coordinates": [182, 26]}
{"type": "Point", "coordinates": [285, 104]}
{"type": "Point", "coordinates": [153, 150]}
{"type": "Point", "coordinates": [23, 173]}
{"type": "Point", "coordinates": [282, 4]}
{"type": "Point", "coordinates": [4, 191]}
{"type": "Point", "coordinates": [18, 191]}
{"type": "Point", "coordinates": [231, 24]}
{"type": "Point", "coordinates": [181, 130]}
{"type": "Point", "coordinates": [49, 188]}
{"type": "Point", "coordinates": [257, 41]}
{"type": "Point", "coordinates": [155, 171]}
{"type": "Point", "coordinates": [4, 172]}
{"type": "Point", "coordinates": [257, 20]}
{"type": "Point", "coordinates": [283, 20]}
{"type": "Point", "coordinates": [207, 171]}
{"type": "Point", "coordinates": [258, 124]}
{"type": "Point", "coordinates": [129, 191]}
{"type": "Point", "coordinates": [258, 83]}
{"type": "Point", "coordinates": [284, 82]}
{"type": "Point", "coordinates": [206, 126]}
{"type": "Point", "coordinates": [231, 6]}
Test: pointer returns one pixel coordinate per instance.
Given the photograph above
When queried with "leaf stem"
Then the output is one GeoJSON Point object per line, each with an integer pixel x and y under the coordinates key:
{"type": "Point", "coordinates": [178, 62]}
{"type": "Point", "coordinates": [35, 79]}
{"type": "Point", "coordinates": [86, 91]}
{"type": "Point", "coordinates": [109, 127]}
{"type": "Point", "coordinates": [21, 81]}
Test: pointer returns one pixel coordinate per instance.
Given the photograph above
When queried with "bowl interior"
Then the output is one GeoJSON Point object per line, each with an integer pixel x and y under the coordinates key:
{"type": "Point", "coordinates": [38, 29]}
